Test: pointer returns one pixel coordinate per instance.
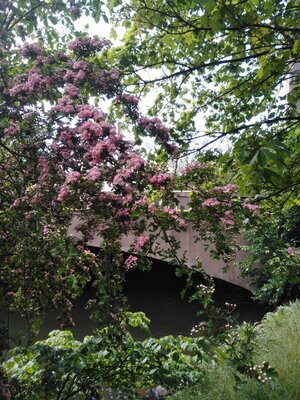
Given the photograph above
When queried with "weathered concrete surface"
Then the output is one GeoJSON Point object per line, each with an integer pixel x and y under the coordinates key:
{"type": "Point", "coordinates": [193, 251]}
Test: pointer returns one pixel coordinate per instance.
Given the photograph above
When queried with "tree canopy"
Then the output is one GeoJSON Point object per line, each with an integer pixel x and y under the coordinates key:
{"type": "Point", "coordinates": [231, 63]}
{"type": "Point", "coordinates": [61, 154]}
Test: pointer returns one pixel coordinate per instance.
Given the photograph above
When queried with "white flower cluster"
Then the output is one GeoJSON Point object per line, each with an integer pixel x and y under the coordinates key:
{"type": "Point", "coordinates": [259, 370]}
{"type": "Point", "coordinates": [206, 289]}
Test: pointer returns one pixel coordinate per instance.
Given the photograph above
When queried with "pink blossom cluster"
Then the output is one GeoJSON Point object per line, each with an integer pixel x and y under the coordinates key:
{"type": "Point", "coordinates": [155, 127]}
{"type": "Point", "coordinates": [123, 212]}
{"type": "Point", "coordinates": [65, 153]}
{"type": "Point", "coordinates": [20, 200]}
{"type": "Point", "coordinates": [72, 177]}
{"type": "Point", "coordinates": [75, 11]}
{"type": "Point", "coordinates": [46, 229]}
{"type": "Point", "coordinates": [103, 149]}
{"type": "Point", "coordinates": [93, 174]}
{"type": "Point", "coordinates": [12, 129]}
{"type": "Point", "coordinates": [160, 179]}
{"type": "Point", "coordinates": [292, 252]}
{"type": "Point", "coordinates": [63, 193]}
{"type": "Point", "coordinates": [86, 111]}
{"type": "Point", "coordinates": [65, 105]}
{"type": "Point", "coordinates": [35, 83]}
{"type": "Point", "coordinates": [228, 218]}
{"type": "Point", "coordinates": [130, 262]}
{"type": "Point", "coordinates": [226, 188]}
{"type": "Point", "coordinates": [40, 80]}
{"type": "Point", "coordinates": [135, 162]}
{"type": "Point", "coordinates": [194, 166]}
{"type": "Point", "coordinates": [159, 131]}
{"type": "Point", "coordinates": [71, 90]}
{"type": "Point", "coordinates": [43, 166]}
{"type": "Point", "coordinates": [87, 130]}
{"type": "Point", "coordinates": [211, 202]}
{"type": "Point", "coordinates": [174, 214]}
{"type": "Point", "coordinates": [141, 242]}
{"type": "Point", "coordinates": [127, 98]}
{"type": "Point", "coordinates": [251, 207]}
{"type": "Point", "coordinates": [80, 65]}
{"type": "Point", "coordinates": [28, 115]}
{"type": "Point", "coordinates": [84, 45]}
{"type": "Point", "coordinates": [152, 209]}
{"type": "Point", "coordinates": [66, 136]}
{"type": "Point", "coordinates": [141, 202]}
{"type": "Point", "coordinates": [105, 81]}
{"type": "Point", "coordinates": [126, 200]}
{"type": "Point", "coordinates": [31, 50]}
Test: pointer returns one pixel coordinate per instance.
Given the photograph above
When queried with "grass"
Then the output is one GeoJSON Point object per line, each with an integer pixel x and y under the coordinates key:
{"type": "Point", "coordinates": [277, 342]}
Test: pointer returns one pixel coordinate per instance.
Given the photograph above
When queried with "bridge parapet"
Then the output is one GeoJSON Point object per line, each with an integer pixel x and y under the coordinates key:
{"type": "Point", "coordinates": [193, 250]}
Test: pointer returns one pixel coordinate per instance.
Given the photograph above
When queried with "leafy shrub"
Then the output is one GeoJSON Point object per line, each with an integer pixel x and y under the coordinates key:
{"type": "Point", "coordinates": [61, 367]}
{"type": "Point", "coordinates": [260, 364]}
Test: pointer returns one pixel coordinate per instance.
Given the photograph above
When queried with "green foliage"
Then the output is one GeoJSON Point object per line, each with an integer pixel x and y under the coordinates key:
{"type": "Point", "coordinates": [61, 367]}
{"type": "Point", "coordinates": [269, 366]}
{"type": "Point", "coordinates": [228, 63]}
{"type": "Point", "coordinates": [278, 342]}
{"type": "Point", "coordinates": [219, 384]}
{"type": "Point", "coordinates": [251, 362]}
{"type": "Point", "coordinates": [43, 20]}
{"type": "Point", "coordinates": [273, 260]}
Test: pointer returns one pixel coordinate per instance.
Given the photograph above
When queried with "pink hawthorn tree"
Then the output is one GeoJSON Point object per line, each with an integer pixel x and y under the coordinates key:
{"type": "Point", "coordinates": [60, 153]}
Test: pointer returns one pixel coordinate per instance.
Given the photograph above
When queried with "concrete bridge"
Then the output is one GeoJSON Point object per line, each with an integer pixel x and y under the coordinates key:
{"type": "Point", "coordinates": [193, 251]}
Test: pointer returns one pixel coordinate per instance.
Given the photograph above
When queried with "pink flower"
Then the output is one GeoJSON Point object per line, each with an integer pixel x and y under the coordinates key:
{"type": "Point", "coordinates": [85, 45]}
{"type": "Point", "coordinates": [169, 210]}
{"type": "Point", "coordinates": [194, 166]}
{"type": "Point", "coordinates": [16, 89]}
{"type": "Point", "coordinates": [93, 174]}
{"type": "Point", "coordinates": [65, 153]}
{"type": "Point", "coordinates": [28, 115]}
{"type": "Point", "coordinates": [80, 75]}
{"type": "Point", "coordinates": [127, 98]}
{"type": "Point", "coordinates": [160, 179]}
{"type": "Point", "coordinates": [141, 202]}
{"type": "Point", "coordinates": [182, 222]}
{"type": "Point", "coordinates": [72, 177]}
{"type": "Point", "coordinates": [251, 207]}
{"type": "Point", "coordinates": [55, 147]}
{"type": "Point", "coordinates": [63, 193]}
{"type": "Point", "coordinates": [46, 230]}
{"type": "Point", "coordinates": [12, 129]}
{"type": "Point", "coordinates": [152, 209]}
{"type": "Point", "coordinates": [210, 202]}
{"type": "Point", "coordinates": [80, 65]}
{"type": "Point", "coordinates": [66, 137]}
{"type": "Point", "coordinates": [71, 90]}
{"type": "Point", "coordinates": [114, 74]}
{"type": "Point", "coordinates": [226, 188]}
{"type": "Point", "coordinates": [291, 251]}
{"type": "Point", "coordinates": [130, 262]}
{"type": "Point", "coordinates": [31, 50]}
{"type": "Point", "coordinates": [69, 75]}
{"type": "Point", "coordinates": [141, 242]}
{"type": "Point", "coordinates": [20, 200]}
{"type": "Point", "coordinates": [35, 80]}
{"type": "Point", "coordinates": [43, 167]}
{"type": "Point", "coordinates": [97, 152]}
{"type": "Point", "coordinates": [136, 161]}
